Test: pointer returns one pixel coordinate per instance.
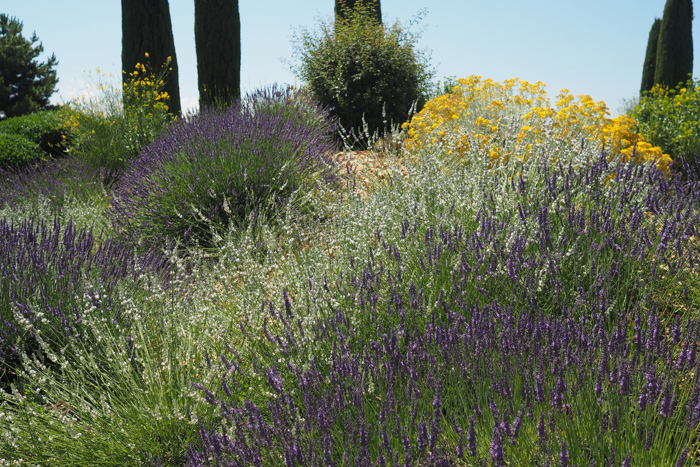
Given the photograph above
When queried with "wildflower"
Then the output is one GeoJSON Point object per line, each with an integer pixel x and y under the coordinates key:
{"type": "Point", "coordinates": [496, 449]}
{"type": "Point", "coordinates": [471, 437]}
{"type": "Point", "coordinates": [682, 458]}
{"type": "Point", "coordinates": [564, 455]}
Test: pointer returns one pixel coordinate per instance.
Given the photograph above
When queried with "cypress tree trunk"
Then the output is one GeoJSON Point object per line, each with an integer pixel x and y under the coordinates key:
{"type": "Point", "coordinates": [146, 28]}
{"type": "Point", "coordinates": [217, 35]}
{"type": "Point", "coordinates": [342, 5]}
{"type": "Point", "coordinates": [650, 58]}
{"type": "Point", "coordinates": [674, 52]}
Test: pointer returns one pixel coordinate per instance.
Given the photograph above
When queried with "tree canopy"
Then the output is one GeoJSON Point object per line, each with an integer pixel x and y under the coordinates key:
{"type": "Point", "coordinates": [674, 51]}
{"type": "Point", "coordinates": [25, 83]}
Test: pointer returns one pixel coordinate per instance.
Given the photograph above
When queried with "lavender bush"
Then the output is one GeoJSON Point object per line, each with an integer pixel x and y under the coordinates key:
{"type": "Point", "coordinates": [491, 386]}
{"type": "Point", "coordinates": [531, 323]}
{"type": "Point", "coordinates": [52, 277]}
{"type": "Point", "coordinates": [64, 188]}
{"type": "Point", "coordinates": [219, 167]}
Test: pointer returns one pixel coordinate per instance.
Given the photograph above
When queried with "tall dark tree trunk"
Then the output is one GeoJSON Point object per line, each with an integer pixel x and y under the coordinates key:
{"type": "Point", "coordinates": [341, 6]}
{"type": "Point", "coordinates": [146, 28]}
{"type": "Point", "coordinates": [674, 52]}
{"type": "Point", "coordinates": [650, 58]}
{"type": "Point", "coordinates": [217, 35]}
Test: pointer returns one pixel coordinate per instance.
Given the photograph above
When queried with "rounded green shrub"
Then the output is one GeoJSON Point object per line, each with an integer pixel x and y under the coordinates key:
{"type": "Point", "coordinates": [365, 72]}
{"type": "Point", "coordinates": [16, 150]}
{"type": "Point", "coordinates": [46, 128]}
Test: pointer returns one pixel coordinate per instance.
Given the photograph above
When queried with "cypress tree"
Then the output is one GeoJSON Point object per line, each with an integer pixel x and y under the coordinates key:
{"type": "Point", "coordinates": [650, 58]}
{"type": "Point", "coordinates": [146, 28]}
{"type": "Point", "coordinates": [674, 51]}
{"type": "Point", "coordinates": [217, 35]}
{"type": "Point", "coordinates": [341, 6]}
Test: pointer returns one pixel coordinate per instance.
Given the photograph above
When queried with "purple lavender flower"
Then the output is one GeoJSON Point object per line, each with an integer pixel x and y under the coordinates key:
{"type": "Point", "coordinates": [611, 457]}
{"type": "Point", "coordinates": [515, 428]}
{"type": "Point", "coordinates": [541, 428]}
{"type": "Point", "coordinates": [496, 449]}
{"type": "Point", "coordinates": [682, 458]}
{"type": "Point", "coordinates": [471, 437]}
{"type": "Point", "coordinates": [460, 442]}
{"type": "Point", "coordinates": [422, 435]}
{"type": "Point", "coordinates": [564, 455]}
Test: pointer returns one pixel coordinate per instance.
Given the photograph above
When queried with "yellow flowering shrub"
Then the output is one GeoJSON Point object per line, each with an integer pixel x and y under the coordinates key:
{"type": "Point", "coordinates": [112, 124]}
{"type": "Point", "coordinates": [515, 120]}
{"type": "Point", "coordinates": [670, 118]}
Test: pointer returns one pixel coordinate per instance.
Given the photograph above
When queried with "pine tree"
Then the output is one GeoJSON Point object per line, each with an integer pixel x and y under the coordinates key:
{"type": "Point", "coordinates": [217, 35]}
{"type": "Point", "coordinates": [147, 29]}
{"type": "Point", "coordinates": [650, 58]}
{"type": "Point", "coordinates": [341, 6]}
{"type": "Point", "coordinates": [674, 52]}
{"type": "Point", "coordinates": [25, 84]}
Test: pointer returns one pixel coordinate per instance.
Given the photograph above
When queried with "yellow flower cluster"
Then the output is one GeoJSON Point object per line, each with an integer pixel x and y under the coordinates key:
{"type": "Point", "coordinates": [514, 119]}
{"type": "Point", "coordinates": [114, 122]}
{"type": "Point", "coordinates": [143, 89]}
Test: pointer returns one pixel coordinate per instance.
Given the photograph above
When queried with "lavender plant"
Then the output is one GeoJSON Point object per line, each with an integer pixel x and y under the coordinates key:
{"type": "Point", "coordinates": [52, 276]}
{"type": "Point", "coordinates": [530, 390]}
{"type": "Point", "coordinates": [520, 313]}
{"type": "Point", "coordinates": [65, 188]}
{"type": "Point", "coordinates": [220, 167]}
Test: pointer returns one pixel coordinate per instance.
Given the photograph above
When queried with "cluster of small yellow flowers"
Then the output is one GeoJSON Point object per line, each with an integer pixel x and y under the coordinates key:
{"type": "Point", "coordinates": [144, 90]}
{"type": "Point", "coordinates": [114, 122]}
{"type": "Point", "coordinates": [514, 119]}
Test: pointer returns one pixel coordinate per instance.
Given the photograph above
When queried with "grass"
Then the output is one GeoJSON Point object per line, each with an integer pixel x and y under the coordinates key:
{"type": "Point", "coordinates": [429, 247]}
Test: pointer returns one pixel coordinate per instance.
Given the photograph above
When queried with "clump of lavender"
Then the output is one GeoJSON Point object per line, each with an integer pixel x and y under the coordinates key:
{"type": "Point", "coordinates": [52, 277]}
{"type": "Point", "coordinates": [219, 167]}
{"type": "Point", "coordinates": [59, 187]}
{"type": "Point", "coordinates": [545, 310]}
{"type": "Point", "coordinates": [397, 386]}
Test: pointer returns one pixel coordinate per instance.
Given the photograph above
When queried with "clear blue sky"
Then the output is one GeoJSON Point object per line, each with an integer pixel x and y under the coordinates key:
{"type": "Point", "coordinates": [593, 47]}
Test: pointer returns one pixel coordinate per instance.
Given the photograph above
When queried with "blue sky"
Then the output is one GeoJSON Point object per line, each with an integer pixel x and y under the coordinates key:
{"type": "Point", "coordinates": [593, 47]}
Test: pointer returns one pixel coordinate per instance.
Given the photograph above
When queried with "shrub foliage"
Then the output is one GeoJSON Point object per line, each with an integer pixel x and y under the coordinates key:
{"type": "Point", "coordinates": [364, 71]}
{"type": "Point", "coordinates": [670, 118]}
{"type": "Point", "coordinates": [17, 150]}
{"type": "Point", "coordinates": [111, 129]}
{"type": "Point", "coordinates": [515, 120]}
{"type": "Point", "coordinates": [46, 128]}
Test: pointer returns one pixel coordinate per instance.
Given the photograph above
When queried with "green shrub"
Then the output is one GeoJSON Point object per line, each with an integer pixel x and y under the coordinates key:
{"type": "Point", "coordinates": [361, 69]}
{"type": "Point", "coordinates": [16, 150]}
{"type": "Point", "coordinates": [670, 119]}
{"type": "Point", "coordinates": [46, 128]}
